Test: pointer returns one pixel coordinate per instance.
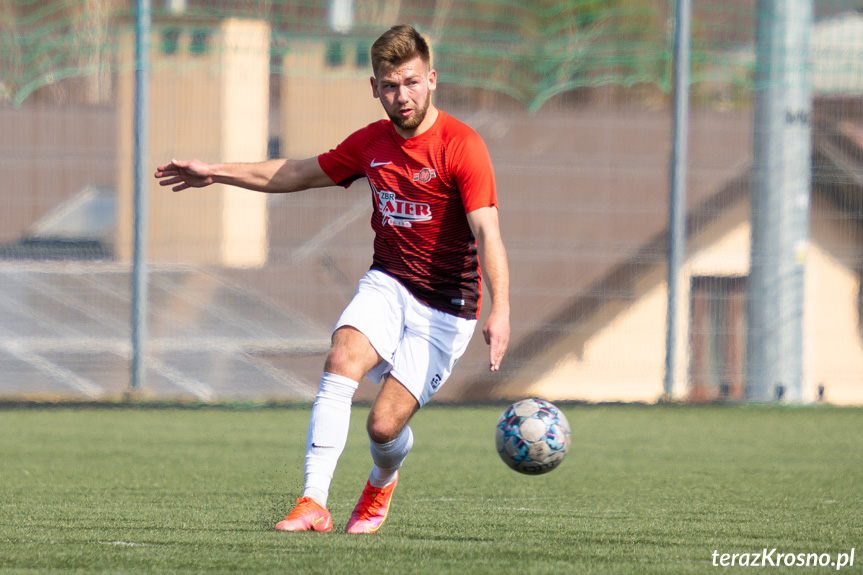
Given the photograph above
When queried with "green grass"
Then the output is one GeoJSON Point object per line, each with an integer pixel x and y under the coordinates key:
{"type": "Point", "coordinates": [643, 490]}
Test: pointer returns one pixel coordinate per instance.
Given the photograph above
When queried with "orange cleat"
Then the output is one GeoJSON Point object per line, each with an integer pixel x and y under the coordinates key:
{"type": "Point", "coordinates": [308, 515]}
{"type": "Point", "coordinates": [372, 508]}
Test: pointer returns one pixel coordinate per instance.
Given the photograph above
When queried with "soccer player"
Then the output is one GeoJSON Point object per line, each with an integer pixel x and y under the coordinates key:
{"type": "Point", "coordinates": [436, 226]}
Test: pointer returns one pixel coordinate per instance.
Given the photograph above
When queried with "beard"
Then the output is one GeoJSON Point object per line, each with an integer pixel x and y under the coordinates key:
{"type": "Point", "coordinates": [415, 119]}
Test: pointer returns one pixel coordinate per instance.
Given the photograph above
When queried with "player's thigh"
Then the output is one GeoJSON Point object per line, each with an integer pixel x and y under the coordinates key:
{"type": "Point", "coordinates": [377, 312]}
{"type": "Point", "coordinates": [351, 354]}
{"type": "Point", "coordinates": [432, 344]}
{"type": "Point", "coordinates": [391, 411]}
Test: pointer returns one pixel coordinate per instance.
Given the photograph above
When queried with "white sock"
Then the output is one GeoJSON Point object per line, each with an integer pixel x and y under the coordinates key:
{"type": "Point", "coordinates": [388, 457]}
{"type": "Point", "coordinates": [328, 433]}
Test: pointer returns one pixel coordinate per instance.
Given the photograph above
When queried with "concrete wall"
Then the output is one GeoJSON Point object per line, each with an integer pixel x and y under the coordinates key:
{"type": "Point", "coordinates": [212, 106]}
{"type": "Point", "coordinates": [322, 104]}
{"type": "Point", "coordinates": [619, 354]}
{"type": "Point", "coordinates": [833, 344]}
{"type": "Point", "coordinates": [47, 154]}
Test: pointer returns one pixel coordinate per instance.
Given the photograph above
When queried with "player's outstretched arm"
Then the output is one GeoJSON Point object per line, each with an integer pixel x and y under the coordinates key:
{"type": "Point", "coordinates": [492, 259]}
{"type": "Point", "coordinates": [271, 176]}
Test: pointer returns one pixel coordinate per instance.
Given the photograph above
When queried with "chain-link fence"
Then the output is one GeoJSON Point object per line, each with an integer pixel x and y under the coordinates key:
{"type": "Point", "coordinates": [573, 100]}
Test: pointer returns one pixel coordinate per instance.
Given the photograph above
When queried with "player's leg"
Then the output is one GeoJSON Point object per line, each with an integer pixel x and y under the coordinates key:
{"type": "Point", "coordinates": [431, 344]}
{"type": "Point", "coordinates": [366, 334]}
{"type": "Point", "coordinates": [351, 355]}
{"type": "Point", "coordinates": [390, 441]}
{"type": "Point", "coordinates": [390, 436]}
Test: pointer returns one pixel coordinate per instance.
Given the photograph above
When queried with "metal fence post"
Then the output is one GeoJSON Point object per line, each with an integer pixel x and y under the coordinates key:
{"type": "Point", "coordinates": [780, 202]}
{"type": "Point", "coordinates": [140, 287]}
{"type": "Point", "coordinates": [677, 202]}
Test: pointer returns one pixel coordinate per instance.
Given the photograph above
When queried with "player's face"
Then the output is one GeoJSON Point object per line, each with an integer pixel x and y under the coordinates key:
{"type": "Point", "coordinates": [405, 92]}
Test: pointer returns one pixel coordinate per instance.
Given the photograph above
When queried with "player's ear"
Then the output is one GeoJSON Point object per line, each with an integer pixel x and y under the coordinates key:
{"type": "Point", "coordinates": [374, 83]}
{"type": "Point", "coordinates": [432, 80]}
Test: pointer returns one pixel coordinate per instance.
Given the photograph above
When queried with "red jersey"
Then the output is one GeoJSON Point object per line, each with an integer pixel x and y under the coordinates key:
{"type": "Point", "coordinates": [422, 188]}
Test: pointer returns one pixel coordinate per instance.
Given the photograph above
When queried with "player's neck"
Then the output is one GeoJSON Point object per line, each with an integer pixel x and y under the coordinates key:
{"type": "Point", "coordinates": [425, 125]}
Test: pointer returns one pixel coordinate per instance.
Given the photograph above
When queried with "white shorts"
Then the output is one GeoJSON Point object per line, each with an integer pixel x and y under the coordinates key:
{"type": "Point", "coordinates": [419, 344]}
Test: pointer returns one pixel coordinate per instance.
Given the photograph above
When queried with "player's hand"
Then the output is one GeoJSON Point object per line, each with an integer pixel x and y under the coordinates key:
{"type": "Point", "coordinates": [185, 174]}
{"type": "Point", "coordinates": [496, 334]}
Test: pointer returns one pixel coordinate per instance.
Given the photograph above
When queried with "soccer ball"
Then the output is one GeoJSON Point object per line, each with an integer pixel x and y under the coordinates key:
{"type": "Point", "coordinates": [532, 436]}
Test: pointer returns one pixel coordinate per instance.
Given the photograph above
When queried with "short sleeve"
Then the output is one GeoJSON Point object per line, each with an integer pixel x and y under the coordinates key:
{"type": "Point", "coordinates": [473, 172]}
{"type": "Point", "coordinates": [343, 164]}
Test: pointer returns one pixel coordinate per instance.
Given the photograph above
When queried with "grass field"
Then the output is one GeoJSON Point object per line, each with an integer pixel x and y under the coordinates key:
{"type": "Point", "coordinates": [643, 490]}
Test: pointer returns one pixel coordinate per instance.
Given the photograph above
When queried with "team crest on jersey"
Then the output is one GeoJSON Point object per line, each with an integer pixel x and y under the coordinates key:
{"type": "Point", "coordinates": [425, 175]}
{"type": "Point", "coordinates": [402, 213]}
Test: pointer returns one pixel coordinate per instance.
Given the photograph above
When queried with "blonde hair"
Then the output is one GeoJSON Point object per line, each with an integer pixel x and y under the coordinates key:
{"type": "Point", "coordinates": [398, 45]}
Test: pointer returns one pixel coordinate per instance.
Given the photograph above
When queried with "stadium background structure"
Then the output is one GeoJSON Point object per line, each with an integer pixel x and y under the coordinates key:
{"type": "Point", "coordinates": [576, 115]}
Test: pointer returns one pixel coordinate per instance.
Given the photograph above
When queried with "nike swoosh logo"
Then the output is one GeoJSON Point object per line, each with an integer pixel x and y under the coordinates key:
{"type": "Point", "coordinates": [379, 164]}
{"type": "Point", "coordinates": [322, 446]}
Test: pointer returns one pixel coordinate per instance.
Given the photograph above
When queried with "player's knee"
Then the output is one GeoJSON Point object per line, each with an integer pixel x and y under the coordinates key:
{"type": "Point", "coordinates": [342, 360]}
{"type": "Point", "coordinates": [382, 430]}
{"type": "Point", "coordinates": [338, 360]}
{"type": "Point", "coordinates": [351, 354]}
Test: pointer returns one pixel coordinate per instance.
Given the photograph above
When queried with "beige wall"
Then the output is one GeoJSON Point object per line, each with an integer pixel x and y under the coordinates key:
{"type": "Point", "coordinates": [833, 344]}
{"type": "Point", "coordinates": [321, 105]}
{"type": "Point", "coordinates": [622, 361]}
{"type": "Point", "coordinates": [214, 107]}
{"type": "Point", "coordinates": [621, 356]}
{"type": "Point", "coordinates": [39, 172]}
